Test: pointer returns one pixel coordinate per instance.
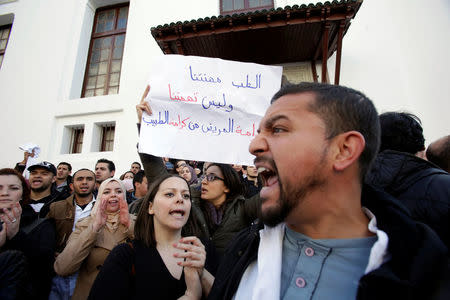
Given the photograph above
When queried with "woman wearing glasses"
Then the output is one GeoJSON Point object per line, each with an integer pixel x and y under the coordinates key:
{"type": "Point", "coordinates": [218, 206]}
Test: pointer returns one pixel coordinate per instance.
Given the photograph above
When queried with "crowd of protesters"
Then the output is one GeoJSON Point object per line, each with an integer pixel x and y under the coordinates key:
{"type": "Point", "coordinates": [342, 203]}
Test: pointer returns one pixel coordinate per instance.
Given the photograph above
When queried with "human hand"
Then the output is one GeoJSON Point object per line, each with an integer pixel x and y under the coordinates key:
{"type": "Point", "coordinates": [124, 216]}
{"type": "Point", "coordinates": [143, 105]}
{"type": "Point", "coordinates": [26, 154]}
{"type": "Point", "coordinates": [11, 219]}
{"type": "Point", "coordinates": [193, 284]}
{"type": "Point", "coordinates": [100, 216]}
{"type": "Point", "coordinates": [2, 234]}
{"type": "Point", "coordinates": [194, 253]}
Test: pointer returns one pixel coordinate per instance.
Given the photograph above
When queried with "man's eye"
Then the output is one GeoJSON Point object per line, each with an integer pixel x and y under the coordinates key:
{"type": "Point", "coordinates": [277, 130]}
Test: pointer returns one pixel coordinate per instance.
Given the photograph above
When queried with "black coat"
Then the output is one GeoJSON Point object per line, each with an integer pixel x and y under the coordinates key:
{"type": "Point", "coordinates": [13, 279]}
{"type": "Point", "coordinates": [419, 185]}
{"type": "Point", "coordinates": [38, 245]}
{"type": "Point", "coordinates": [416, 270]}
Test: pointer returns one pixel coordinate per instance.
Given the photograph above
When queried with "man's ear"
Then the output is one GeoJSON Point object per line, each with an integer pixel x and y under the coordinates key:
{"type": "Point", "coordinates": [112, 173]}
{"type": "Point", "coordinates": [349, 146]}
{"type": "Point", "coordinates": [71, 186]}
{"type": "Point", "coordinates": [53, 179]}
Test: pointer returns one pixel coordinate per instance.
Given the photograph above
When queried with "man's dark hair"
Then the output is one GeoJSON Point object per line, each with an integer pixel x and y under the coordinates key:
{"type": "Point", "coordinates": [69, 166]}
{"type": "Point", "coordinates": [342, 109]}
{"type": "Point", "coordinates": [111, 165]}
{"type": "Point", "coordinates": [439, 153]}
{"type": "Point", "coordinates": [138, 177]}
{"type": "Point", "coordinates": [83, 169]}
{"type": "Point", "coordinates": [137, 163]}
{"type": "Point", "coordinates": [401, 131]}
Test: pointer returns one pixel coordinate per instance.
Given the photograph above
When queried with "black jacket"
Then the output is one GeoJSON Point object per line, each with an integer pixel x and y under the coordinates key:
{"type": "Point", "coordinates": [416, 269]}
{"type": "Point", "coordinates": [38, 244]}
{"type": "Point", "coordinates": [13, 276]}
{"type": "Point", "coordinates": [419, 185]}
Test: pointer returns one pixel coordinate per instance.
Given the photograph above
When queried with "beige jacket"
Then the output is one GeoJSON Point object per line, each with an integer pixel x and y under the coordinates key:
{"type": "Point", "coordinates": [86, 251]}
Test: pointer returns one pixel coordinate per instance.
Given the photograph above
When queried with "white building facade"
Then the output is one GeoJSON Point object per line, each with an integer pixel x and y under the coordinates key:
{"type": "Point", "coordinates": [396, 52]}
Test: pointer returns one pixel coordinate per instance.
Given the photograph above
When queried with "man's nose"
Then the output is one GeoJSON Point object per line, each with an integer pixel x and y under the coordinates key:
{"type": "Point", "coordinates": [258, 145]}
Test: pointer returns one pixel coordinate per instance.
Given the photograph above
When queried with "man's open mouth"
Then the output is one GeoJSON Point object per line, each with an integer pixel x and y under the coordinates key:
{"type": "Point", "coordinates": [269, 177]}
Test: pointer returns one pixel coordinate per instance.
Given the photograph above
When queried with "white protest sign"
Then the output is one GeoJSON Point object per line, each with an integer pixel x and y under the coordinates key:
{"type": "Point", "coordinates": [206, 109]}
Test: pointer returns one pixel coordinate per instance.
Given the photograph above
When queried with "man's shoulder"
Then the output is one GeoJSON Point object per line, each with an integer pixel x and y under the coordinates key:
{"type": "Point", "coordinates": [62, 203]}
{"type": "Point", "coordinates": [134, 206]}
{"type": "Point", "coordinates": [59, 208]}
{"type": "Point", "coordinates": [248, 234]}
{"type": "Point", "coordinates": [241, 251]}
{"type": "Point", "coordinates": [440, 178]}
{"type": "Point", "coordinates": [243, 247]}
{"type": "Point", "coordinates": [407, 238]}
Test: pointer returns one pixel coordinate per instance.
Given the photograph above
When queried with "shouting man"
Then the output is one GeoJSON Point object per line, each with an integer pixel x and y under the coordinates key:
{"type": "Point", "coordinates": [325, 235]}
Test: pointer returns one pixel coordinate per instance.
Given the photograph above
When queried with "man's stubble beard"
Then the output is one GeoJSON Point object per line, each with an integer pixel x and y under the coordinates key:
{"type": "Point", "coordinates": [292, 195]}
{"type": "Point", "coordinates": [83, 195]}
{"type": "Point", "coordinates": [41, 189]}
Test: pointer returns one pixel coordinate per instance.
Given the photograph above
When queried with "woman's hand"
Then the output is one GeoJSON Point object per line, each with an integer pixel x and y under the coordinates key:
{"type": "Point", "coordinates": [194, 253]}
{"type": "Point", "coordinates": [193, 285]}
{"type": "Point", "coordinates": [194, 261]}
{"type": "Point", "coordinates": [100, 217]}
{"type": "Point", "coordinates": [124, 216]}
{"type": "Point", "coordinates": [11, 218]}
{"type": "Point", "coordinates": [3, 235]}
{"type": "Point", "coordinates": [143, 105]}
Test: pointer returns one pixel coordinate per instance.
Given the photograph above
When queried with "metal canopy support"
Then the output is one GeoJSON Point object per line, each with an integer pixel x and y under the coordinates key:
{"type": "Point", "coordinates": [326, 32]}
{"type": "Point", "coordinates": [314, 70]}
{"type": "Point", "coordinates": [166, 48]}
{"type": "Point", "coordinates": [180, 47]}
{"type": "Point", "coordinates": [337, 71]}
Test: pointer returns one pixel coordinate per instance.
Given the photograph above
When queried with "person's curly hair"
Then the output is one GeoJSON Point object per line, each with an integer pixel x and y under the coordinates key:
{"type": "Point", "coordinates": [401, 131]}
